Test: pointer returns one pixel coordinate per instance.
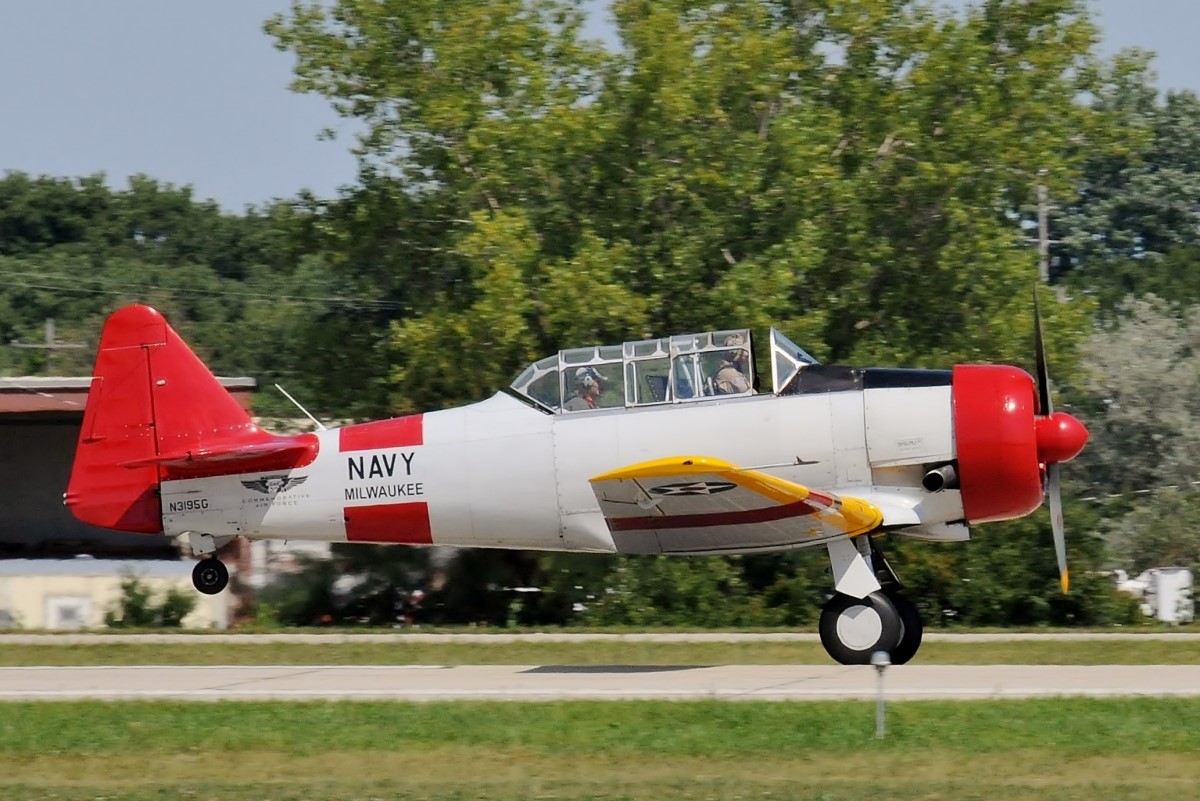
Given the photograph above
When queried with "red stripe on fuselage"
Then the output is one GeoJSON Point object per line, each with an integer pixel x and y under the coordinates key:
{"type": "Point", "coordinates": [406, 523]}
{"type": "Point", "coordinates": [741, 517]}
{"type": "Point", "coordinates": [399, 432]}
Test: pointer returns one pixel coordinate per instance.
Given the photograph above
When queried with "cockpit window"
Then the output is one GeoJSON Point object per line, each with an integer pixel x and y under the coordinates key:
{"type": "Point", "coordinates": [592, 378]}
{"type": "Point", "coordinates": [787, 359]}
{"type": "Point", "coordinates": [710, 364]}
{"type": "Point", "coordinates": [677, 369]}
{"type": "Point", "coordinates": [593, 386]}
{"type": "Point", "coordinates": [539, 382]}
{"type": "Point", "coordinates": [545, 388]}
{"type": "Point", "coordinates": [647, 372]}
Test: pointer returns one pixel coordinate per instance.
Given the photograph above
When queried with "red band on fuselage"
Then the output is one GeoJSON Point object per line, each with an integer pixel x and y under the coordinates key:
{"type": "Point", "coordinates": [399, 432]}
{"type": "Point", "coordinates": [406, 523]}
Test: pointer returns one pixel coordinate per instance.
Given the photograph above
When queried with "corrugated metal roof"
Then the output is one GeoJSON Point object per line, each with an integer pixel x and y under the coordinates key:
{"type": "Point", "coordinates": [21, 394]}
{"type": "Point", "coordinates": [50, 382]}
{"type": "Point", "coordinates": [85, 566]}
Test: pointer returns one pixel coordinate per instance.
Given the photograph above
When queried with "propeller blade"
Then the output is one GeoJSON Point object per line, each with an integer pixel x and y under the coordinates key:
{"type": "Point", "coordinates": [1054, 490]}
{"type": "Point", "coordinates": [1043, 374]}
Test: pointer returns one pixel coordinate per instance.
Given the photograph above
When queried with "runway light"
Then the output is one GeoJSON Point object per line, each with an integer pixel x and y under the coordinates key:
{"type": "Point", "coordinates": [881, 660]}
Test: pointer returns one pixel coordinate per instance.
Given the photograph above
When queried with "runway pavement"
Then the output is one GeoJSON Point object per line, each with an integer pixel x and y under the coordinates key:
{"type": "Point", "coordinates": [409, 636]}
{"type": "Point", "coordinates": [548, 682]}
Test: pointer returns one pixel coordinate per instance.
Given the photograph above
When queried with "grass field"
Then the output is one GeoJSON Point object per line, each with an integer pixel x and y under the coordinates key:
{"type": "Point", "coordinates": [1030, 750]}
{"type": "Point", "coordinates": [605, 652]}
{"type": "Point", "coordinates": [1034, 750]}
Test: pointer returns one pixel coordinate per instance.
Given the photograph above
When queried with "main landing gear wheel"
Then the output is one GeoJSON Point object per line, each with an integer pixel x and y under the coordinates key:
{"type": "Point", "coordinates": [854, 628]}
{"type": "Point", "coordinates": [910, 640]}
{"type": "Point", "coordinates": [210, 576]}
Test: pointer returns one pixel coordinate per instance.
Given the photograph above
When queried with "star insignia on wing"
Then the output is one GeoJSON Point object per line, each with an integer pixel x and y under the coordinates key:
{"type": "Point", "coordinates": [693, 488]}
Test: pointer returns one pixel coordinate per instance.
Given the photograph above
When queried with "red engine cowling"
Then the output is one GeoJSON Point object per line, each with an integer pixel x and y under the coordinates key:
{"type": "Point", "coordinates": [1002, 444]}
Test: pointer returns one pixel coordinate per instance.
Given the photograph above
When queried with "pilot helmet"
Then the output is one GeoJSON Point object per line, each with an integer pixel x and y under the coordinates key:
{"type": "Point", "coordinates": [739, 351]}
{"type": "Point", "coordinates": [588, 377]}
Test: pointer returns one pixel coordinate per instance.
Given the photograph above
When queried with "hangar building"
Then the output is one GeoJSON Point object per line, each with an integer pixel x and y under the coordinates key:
{"type": "Point", "coordinates": [40, 420]}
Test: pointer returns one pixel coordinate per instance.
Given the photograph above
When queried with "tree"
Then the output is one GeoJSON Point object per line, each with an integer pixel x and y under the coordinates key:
{"type": "Point", "coordinates": [1133, 211]}
{"type": "Point", "coordinates": [517, 295]}
{"type": "Point", "coordinates": [705, 592]}
{"type": "Point", "coordinates": [1161, 532]}
{"type": "Point", "coordinates": [74, 250]}
{"type": "Point", "coordinates": [1139, 397]}
{"type": "Point", "coordinates": [721, 163]}
{"type": "Point", "coordinates": [136, 607]}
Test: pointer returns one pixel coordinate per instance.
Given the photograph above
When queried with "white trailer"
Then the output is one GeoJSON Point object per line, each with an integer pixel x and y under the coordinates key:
{"type": "Point", "coordinates": [1165, 593]}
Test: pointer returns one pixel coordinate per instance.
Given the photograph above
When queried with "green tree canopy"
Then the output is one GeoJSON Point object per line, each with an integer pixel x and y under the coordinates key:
{"type": "Point", "coordinates": [850, 171]}
{"type": "Point", "coordinates": [1131, 224]}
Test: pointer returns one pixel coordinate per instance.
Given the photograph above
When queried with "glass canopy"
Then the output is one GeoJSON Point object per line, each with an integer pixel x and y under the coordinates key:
{"type": "Point", "coordinates": [678, 369]}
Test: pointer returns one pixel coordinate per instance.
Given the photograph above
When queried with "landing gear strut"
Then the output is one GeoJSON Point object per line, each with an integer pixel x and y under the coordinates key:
{"type": "Point", "coordinates": [852, 628]}
{"type": "Point", "coordinates": [210, 575]}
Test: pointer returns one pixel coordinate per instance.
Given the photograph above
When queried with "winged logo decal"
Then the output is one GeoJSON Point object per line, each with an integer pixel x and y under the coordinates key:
{"type": "Point", "coordinates": [273, 485]}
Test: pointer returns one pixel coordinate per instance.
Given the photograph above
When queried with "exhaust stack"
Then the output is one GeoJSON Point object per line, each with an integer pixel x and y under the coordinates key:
{"type": "Point", "coordinates": [940, 478]}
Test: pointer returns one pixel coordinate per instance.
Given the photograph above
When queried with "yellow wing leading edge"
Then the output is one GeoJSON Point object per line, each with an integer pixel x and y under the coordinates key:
{"type": "Point", "coordinates": [701, 504]}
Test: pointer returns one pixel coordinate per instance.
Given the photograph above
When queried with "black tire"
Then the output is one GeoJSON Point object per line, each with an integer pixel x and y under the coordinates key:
{"type": "Point", "coordinates": [877, 621]}
{"type": "Point", "coordinates": [914, 629]}
{"type": "Point", "coordinates": [210, 576]}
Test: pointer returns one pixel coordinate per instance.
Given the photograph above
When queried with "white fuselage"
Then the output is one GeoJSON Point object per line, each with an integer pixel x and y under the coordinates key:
{"type": "Point", "coordinates": [500, 473]}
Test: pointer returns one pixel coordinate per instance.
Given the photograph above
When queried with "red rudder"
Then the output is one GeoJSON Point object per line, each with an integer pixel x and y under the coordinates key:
{"type": "Point", "coordinates": [154, 411]}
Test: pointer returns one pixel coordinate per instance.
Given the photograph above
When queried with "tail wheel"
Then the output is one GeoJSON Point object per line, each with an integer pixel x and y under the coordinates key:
{"type": "Point", "coordinates": [914, 629]}
{"type": "Point", "coordinates": [854, 628]}
{"type": "Point", "coordinates": [210, 576]}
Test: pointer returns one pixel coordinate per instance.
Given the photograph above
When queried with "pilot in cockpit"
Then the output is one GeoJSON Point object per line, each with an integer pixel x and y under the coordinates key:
{"type": "Point", "coordinates": [587, 390]}
{"type": "Point", "coordinates": [730, 378]}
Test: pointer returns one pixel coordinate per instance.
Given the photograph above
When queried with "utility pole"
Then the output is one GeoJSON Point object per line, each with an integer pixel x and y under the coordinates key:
{"type": "Point", "coordinates": [1043, 234]}
{"type": "Point", "coordinates": [50, 344]}
{"type": "Point", "coordinates": [1043, 238]}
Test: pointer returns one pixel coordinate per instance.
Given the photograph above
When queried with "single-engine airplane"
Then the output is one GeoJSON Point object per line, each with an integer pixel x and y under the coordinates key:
{"type": "Point", "coordinates": [662, 446]}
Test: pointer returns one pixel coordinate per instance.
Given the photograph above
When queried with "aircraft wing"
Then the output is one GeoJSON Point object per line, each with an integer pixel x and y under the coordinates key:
{"type": "Point", "coordinates": [699, 504]}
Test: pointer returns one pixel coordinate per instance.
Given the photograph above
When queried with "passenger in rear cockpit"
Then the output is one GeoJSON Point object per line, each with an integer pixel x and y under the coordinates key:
{"type": "Point", "coordinates": [731, 375]}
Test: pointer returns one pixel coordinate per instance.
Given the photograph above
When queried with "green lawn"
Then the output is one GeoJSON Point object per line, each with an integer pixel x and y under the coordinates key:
{"type": "Point", "coordinates": [1036, 750]}
{"type": "Point", "coordinates": [603, 652]}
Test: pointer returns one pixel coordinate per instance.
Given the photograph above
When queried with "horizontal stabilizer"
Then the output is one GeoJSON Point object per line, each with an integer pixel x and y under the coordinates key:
{"type": "Point", "coordinates": [281, 450]}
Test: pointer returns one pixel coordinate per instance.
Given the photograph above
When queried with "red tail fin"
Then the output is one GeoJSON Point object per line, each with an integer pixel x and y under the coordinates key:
{"type": "Point", "coordinates": [155, 411]}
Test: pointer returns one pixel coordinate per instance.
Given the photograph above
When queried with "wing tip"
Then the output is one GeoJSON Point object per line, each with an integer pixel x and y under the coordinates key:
{"type": "Point", "coordinates": [668, 466]}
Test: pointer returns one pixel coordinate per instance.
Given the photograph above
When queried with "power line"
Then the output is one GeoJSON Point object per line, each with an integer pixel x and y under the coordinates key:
{"type": "Point", "coordinates": [186, 290]}
{"type": "Point", "coordinates": [358, 303]}
{"type": "Point", "coordinates": [51, 345]}
{"type": "Point", "coordinates": [89, 276]}
{"type": "Point", "coordinates": [1151, 490]}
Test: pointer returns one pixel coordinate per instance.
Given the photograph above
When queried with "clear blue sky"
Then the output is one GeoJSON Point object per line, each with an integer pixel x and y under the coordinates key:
{"type": "Point", "coordinates": [194, 93]}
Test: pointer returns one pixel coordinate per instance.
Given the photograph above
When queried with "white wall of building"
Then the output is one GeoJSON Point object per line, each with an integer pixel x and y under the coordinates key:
{"type": "Point", "coordinates": [76, 593]}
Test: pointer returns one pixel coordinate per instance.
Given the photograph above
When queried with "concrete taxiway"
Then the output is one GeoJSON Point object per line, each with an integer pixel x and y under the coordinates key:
{"type": "Point", "coordinates": [492, 638]}
{"type": "Point", "coordinates": [551, 683]}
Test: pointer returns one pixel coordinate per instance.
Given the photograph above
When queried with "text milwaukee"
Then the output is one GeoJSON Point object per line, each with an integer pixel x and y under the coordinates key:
{"type": "Point", "coordinates": [384, 491]}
